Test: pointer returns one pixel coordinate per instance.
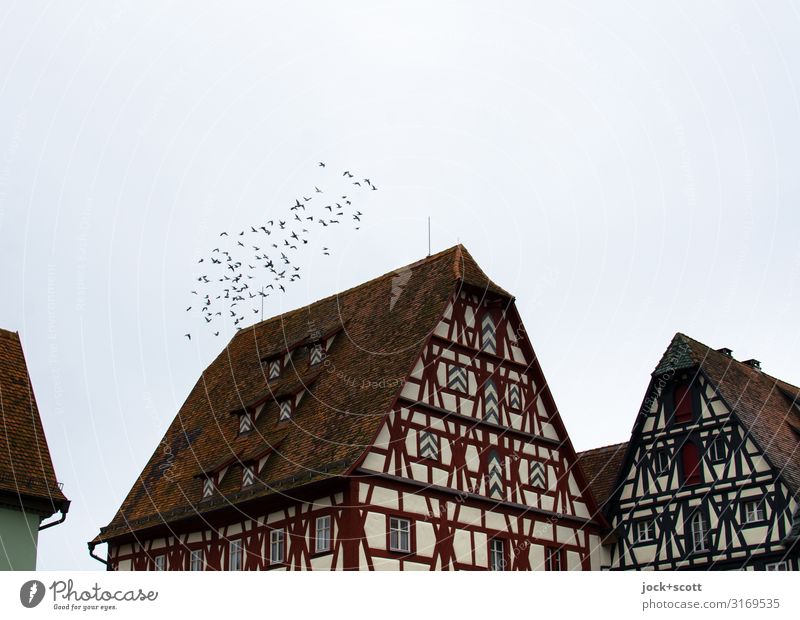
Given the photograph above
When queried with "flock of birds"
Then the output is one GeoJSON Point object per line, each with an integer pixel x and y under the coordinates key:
{"type": "Point", "coordinates": [251, 264]}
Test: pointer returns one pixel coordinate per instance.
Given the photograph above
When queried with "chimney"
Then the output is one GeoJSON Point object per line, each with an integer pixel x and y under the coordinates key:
{"type": "Point", "coordinates": [753, 364]}
{"type": "Point", "coordinates": [726, 351]}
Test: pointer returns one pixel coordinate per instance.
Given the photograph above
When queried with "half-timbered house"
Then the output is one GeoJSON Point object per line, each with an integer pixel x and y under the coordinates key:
{"type": "Point", "coordinates": [403, 424]}
{"type": "Point", "coordinates": [710, 479]}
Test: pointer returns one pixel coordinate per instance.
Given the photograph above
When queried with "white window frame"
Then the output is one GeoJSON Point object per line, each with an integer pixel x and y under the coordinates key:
{"type": "Point", "coordinates": [662, 462]}
{"type": "Point", "coordinates": [783, 565]}
{"type": "Point", "coordinates": [497, 554]}
{"type": "Point", "coordinates": [277, 546]}
{"type": "Point", "coordinates": [552, 559]}
{"type": "Point", "coordinates": [645, 531]}
{"type": "Point", "coordinates": [754, 511]}
{"type": "Point", "coordinates": [700, 534]}
{"type": "Point", "coordinates": [196, 560]}
{"type": "Point", "coordinates": [236, 552]}
{"type": "Point", "coordinates": [160, 562]}
{"type": "Point", "coordinates": [400, 534]}
{"type": "Point", "coordinates": [718, 450]}
{"type": "Point", "coordinates": [322, 534]}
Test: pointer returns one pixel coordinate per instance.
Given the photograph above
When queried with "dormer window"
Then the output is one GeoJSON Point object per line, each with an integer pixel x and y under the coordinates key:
{"type": "Point", "coordinates": [245, 422]}
{"type": "Point", "coordinates": [286, 409]}
{"type": "Point", "coordinates": [274, 367]}
{"type": "Point", "coordinates": [682, 403]}
{"type": "Point", "coordinates": [208, 487]}
{"type": "Point", "coordinates": [248, 475]}
{"type": "Point", "coordinates": [317, 354]}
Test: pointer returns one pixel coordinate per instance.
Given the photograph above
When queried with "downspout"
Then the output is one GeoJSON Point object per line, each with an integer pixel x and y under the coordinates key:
{"type": "Point", "coordinates": [64, 509]}
{"type": "Point", "coordinates": [91, 546]}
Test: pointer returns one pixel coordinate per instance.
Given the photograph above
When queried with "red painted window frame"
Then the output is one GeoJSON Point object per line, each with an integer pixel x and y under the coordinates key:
{"type": "Point", "coordinates": [682, 403]}
{"type": "Point", "coordinates": [550, 553]}
{"type": "Point", "coordinates": [691, 464]}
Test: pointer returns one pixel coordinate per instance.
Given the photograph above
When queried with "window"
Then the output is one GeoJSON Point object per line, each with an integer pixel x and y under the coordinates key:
{"type": "Point", "coordinates": [196, 559]}
{"type": "Point", "coordinates": [645, 531]}
{"type": "Point", "coordinates": [488, 334]}
{"type": "Point", "coordinates": [536, 475]}
{"type": "Point", "coordinates": [491, 411]}
{"type": "Point", "coordinates": [777, 566]}
{"type": "Point", "coordinates": [274, 368]}
{"type": "Point", "coordinates": [235, 555]}
{"type": "Point", "coordinates": [457, 378]}
{"type": "Point", "coordinates": [245, 422]}
{"type": "Point", "coordinates": [399, 535]}
{"type": "Point", "coordinates": [160, 562]}
{"type": "Point", "coordinates": [699, 533]}
{"type": "Point", "coordinates": [754, 511]}
{"type": "Point", "coordinates": [495, 477]}
{"type": "Point", "coordinates": [552, 559]}
{"type": "Point", "coordinates": [208, 487]}
{"type": "Point", "coordinates": [682, 402]}
{"type": "Point", "coordinates": [248, 475]}
{"type": "Point", "coordinates": [429, 445]}
{"type": "Point", "coordinates": [286, 407]}
{"type": "Point", "coordinates": [317, 354]}
{"type": "Point", "coordinates": [514, 396]}
{"type": "Point", "coordinates": [717, 450]}
{"type": "Point", "coordinates": [322, 537]}
{"type": "Point", "coordinates": [277, 547]}
{"type": "Point", "coordinates": [662, 462]}
{"type": "Point", "coordinates": [497, 554]}
{"type": "Point", "coordinates": [690, 459]}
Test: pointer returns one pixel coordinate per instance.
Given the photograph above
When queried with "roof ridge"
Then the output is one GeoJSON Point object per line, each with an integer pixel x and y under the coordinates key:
{"type": "Point", "coordinates": [603, 448]}
{"type": "Point", "coordinates": [294, 311]}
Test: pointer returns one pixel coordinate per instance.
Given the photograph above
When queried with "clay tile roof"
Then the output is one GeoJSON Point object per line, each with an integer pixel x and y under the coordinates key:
{"type": "Point", "coordinates": [600, 468]}
{"type": "Point", "coordinates": [766, 406]}
{"type": "Point", "coordinates": [26, 469]}
{"type": "Point", "coordinates": [382, 326]}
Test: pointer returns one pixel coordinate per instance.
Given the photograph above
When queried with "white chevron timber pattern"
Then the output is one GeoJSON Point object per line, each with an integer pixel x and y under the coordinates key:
{"type": "Point", "coordinates": [514, 397]}
{"type": "Point", "coordinates": [286, 409]}
{"type": "Point", "coordinates": [317, 354]}
{"type": "Point", "coordinates": [457, 378]}
{"type": "Point", "coordinates": [488, 334]}
{"type": "Point", "coordinates": [536, 478]}
{"type": "Point", "coordinates": [245, 422]}
{"type": "Point", "coordinates": [429, 445]}
{"type": "Point", "coordinates": [275, 369]}
{"type": "Point", "coordinates": [495, 475]}
{"type": "Point", "coordinates": [491, 406]}
{"type": "Point", "coordinates": [248, 476]}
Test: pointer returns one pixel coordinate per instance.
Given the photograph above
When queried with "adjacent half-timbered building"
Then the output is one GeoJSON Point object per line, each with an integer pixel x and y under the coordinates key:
{"type": "Point", "coordinates": [404, 424]}
{"type": "Point", "coordinates": [711, 475]}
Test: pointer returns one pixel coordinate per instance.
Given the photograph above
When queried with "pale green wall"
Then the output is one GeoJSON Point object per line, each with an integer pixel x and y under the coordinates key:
{"type": "Point", "coordinates": [19, 533]}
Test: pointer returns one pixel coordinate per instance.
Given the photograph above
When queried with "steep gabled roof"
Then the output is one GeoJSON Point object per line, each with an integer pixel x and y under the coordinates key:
{"type": "Point", "coordinates": [26, 469]}
{"type": "Point", "coordinates": [766, 406]}
{"type": "Point", "coordinates": [600, 468]}
{"type": "Point", "coordinates": [382, 325]}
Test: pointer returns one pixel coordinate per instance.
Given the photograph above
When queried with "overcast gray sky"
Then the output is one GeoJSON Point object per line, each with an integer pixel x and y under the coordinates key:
{"type": "Point", "coordinates": [626, 169]}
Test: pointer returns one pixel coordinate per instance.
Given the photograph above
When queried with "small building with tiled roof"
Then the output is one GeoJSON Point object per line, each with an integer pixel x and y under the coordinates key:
{"type": "Point", "coordinates": [401, 424]}
{"type": "Point", "coordinates": [29, 490]}
{"type": "Point", "coordinates": [710, 479]}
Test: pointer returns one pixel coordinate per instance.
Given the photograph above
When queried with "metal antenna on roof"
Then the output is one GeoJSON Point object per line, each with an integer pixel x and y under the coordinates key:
{"type": "Point", "coordinates": [429, 235]}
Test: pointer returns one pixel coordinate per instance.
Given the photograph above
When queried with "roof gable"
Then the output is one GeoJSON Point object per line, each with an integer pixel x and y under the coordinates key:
{"type": "Point", "coordinates": [382, 326]}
